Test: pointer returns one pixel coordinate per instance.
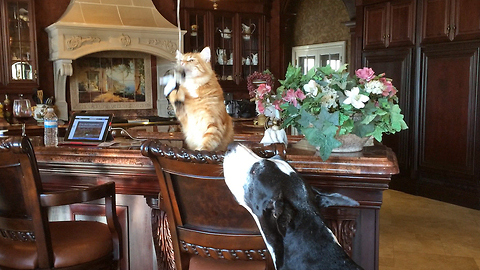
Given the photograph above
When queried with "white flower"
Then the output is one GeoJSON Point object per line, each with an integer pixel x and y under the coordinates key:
{"type": "Point", "coordinates": [329, 99]}
{"type": "Point", "coordinates": [311, 88]}
{"type": "Point", "coordinates": [374, 87]}
{"type": "Point", "coordinates": [355, 98]}
{"type": "Point", "coordinates": [270, 111]}
{"type": "Point", "coordinates": [327, 89]}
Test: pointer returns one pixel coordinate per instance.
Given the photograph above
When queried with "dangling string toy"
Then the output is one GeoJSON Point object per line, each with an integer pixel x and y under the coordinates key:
{"type": "Point", "coordinates": [173, 78]}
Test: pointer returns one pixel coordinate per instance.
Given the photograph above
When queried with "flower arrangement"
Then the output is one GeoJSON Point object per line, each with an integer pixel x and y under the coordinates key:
{"type": "Point", "coordinates": [260, 88]}
{"type": "Point", "coordinates": [325, 103]}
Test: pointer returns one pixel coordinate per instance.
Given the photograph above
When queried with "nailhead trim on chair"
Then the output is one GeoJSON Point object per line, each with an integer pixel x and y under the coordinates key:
{"type": "Point", "coordinates": [18, 236]}
{"type": "Point", "coordinates": [189, 155]}
{"type": "Point", "coordinates": [228, 254]}
{"type": "Point", "coordinates": [196, 156]}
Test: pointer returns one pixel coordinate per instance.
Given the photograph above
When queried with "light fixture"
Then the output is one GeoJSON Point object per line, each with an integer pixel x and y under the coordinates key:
{"type": "Point", "coordinates": [215, 5]}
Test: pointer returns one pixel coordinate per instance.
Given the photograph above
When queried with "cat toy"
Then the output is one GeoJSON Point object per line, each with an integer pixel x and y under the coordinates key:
{"type": "Point", "coordinates": [169, 80]}
{"type": "Point", "coordinates": [172, 81]}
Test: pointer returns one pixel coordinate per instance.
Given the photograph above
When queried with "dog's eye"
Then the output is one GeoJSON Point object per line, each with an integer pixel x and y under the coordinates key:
{"type": "Point", "coordinates": [256, 168]}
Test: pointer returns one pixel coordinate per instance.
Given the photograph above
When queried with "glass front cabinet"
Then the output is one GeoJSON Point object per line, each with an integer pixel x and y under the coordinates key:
{"type": "Point", "coordinates": [237, 42]}
{"type": "Point", "coordinates": [18, 65]}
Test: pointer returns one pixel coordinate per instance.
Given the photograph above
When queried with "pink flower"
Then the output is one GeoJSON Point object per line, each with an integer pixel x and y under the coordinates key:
{"type": "Point", "coordinates": [365, 74]}
{"type": "Point", "coordinates": [263, 89]}
{"type": "Point", "coordinates": [300, 95]}
{"type": "Point", "coordinates": [260, 107]}
{"type": "Point", "coordinates": [292, 96]}
{"type": "Point", "coordinates": [277, 104]}
{"type": "Point", "coordinates": [389, 90]}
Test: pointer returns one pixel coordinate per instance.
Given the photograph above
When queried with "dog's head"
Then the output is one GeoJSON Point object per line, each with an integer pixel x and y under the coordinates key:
{"type": "Point", "coordinates": [261, 185]}
{"type": "Point", "coordinates": [271, 187]}
{"type": "Point", "coordinates": [272, 191]}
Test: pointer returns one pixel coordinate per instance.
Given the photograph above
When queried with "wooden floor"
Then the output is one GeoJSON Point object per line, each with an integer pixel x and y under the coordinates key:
{"type": "Point", "coordinates": [417, 233]}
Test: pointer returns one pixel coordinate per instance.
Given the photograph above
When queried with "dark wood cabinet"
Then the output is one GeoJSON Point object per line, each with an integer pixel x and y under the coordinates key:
{"type": "Point", "coordinates": [397, 64]}
{"type": "Point", "coordinates": [388, 29]}
{"type": "Point", "coordinates": [438, 81]}
{"type": "Point", "coordinates": [449, 20]}
{"type": "Point", "coordinates": [237, 42]}
{"type": "Point", "coordinates": [18, 62]}
{"type": "Point", "coordinates": [448, 164]}
{"type": "Point", "coordinates": [448, 147]}
{"type": "Point", "coordinates": [389, 24]}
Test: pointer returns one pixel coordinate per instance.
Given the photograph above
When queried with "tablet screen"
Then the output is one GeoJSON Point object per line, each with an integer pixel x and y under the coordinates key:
{"type": "Point", "coordinates": [90, 128]}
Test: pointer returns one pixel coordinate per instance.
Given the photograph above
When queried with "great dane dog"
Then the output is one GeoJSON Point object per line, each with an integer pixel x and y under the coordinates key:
{"type": "Point", "coordinates": [286, 210]}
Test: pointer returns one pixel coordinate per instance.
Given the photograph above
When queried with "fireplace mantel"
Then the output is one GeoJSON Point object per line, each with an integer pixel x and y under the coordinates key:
{"type": "Point", "coordinates": [79, 33]}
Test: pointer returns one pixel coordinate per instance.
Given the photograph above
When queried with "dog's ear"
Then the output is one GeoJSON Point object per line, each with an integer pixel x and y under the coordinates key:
{"type": "Point", "coordinates": [282, 213]}
{"type": "Point", "coordinates": [333, 199]}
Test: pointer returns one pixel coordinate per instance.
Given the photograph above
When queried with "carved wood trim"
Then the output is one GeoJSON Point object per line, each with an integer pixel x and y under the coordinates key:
{"type": "Point", "coordinates": [226, 254]}
{"type": "Point", "coordinates": [342, 222]}
{"type": "Point", "coordinates": [163, 240]}
{"type": "Point", "coordinates": [18, 235]}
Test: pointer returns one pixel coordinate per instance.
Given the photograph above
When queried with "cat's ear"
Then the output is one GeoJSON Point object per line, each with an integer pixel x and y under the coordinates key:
{"type": "Point", "coordinates": [178, 55]}
{"type": "Point", "coordinates": [206, 54]}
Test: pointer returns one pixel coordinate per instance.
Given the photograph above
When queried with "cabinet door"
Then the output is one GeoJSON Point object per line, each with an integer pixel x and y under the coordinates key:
{"type": "Point", "coordinates": [196, 25]}
{"type": "Point", "coordinates": [389, 24]}
{"type": "Point", "coordinates": [401, 24]}
{"type": "Point", "coordinates": [436, 21]}
{"type": "Point", "coordinates": [225, 35]}
{"type": "Point", "coordinates": [374, 26]}
{"type": "Point", "coordinates": [449, 109]}
{"type": "Point", "coordinates": [397, 65]}
{"type": "Point", "coordinates": [239, 43]}
{"type": "Point", "coordinates": [252, 51]}
{"type": "Point", "coordinates": [20, 61]}
{"type": "Point", "coordinates": [448, 20]}
{"type": "Point", "coordinates": [465, 22]}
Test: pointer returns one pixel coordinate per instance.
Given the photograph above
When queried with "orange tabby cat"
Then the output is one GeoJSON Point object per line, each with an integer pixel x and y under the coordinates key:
{"type": "Point", "coordinates": [199, 104]}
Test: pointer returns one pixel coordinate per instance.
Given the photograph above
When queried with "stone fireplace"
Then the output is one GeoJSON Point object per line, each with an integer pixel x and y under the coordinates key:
{"type": "Point", "coordinates": [89, 27]}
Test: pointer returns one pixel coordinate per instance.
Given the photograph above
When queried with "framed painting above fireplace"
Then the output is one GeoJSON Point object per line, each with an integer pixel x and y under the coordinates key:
{"type": "Point", "coordinates": [111, 81]}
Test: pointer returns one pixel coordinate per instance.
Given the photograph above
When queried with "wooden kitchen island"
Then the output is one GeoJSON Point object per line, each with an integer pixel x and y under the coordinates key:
{"type": "Point", "coordinates": [362, 176]}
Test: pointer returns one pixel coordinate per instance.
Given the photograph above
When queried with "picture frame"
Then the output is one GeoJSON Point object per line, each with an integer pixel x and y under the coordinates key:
{"type": "Point", "coordinates": [111, 81]}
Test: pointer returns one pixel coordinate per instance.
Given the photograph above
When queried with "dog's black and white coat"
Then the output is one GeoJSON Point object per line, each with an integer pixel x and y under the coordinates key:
{"type": "Point", "coordinates": [286, 212]}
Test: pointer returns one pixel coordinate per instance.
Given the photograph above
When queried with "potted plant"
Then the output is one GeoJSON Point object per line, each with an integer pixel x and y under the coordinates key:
{"type": "Point", "coordinates": [326, 103]}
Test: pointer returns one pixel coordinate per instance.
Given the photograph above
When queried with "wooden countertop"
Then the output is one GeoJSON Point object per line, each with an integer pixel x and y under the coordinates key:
{"type": "Point", "coordinates": [373, 160]}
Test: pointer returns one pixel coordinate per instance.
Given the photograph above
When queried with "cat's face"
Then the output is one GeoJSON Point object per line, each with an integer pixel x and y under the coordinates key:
{"type": "Point", "coordinates": [195, 64]}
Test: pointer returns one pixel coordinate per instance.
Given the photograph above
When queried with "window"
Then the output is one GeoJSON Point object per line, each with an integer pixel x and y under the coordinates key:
{"type": "Point", "coordinates": [319, 55]}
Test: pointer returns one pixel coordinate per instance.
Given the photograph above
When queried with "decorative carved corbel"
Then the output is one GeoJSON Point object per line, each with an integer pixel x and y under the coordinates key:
{"type": "Point", "coordinates": [342, 222]}
{"type": "Point", "coordinates": [62, 69]}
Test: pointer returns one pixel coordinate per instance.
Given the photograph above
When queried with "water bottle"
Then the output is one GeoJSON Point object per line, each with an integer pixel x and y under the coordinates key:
{"type": "Point", "coordinates": [50, 122]}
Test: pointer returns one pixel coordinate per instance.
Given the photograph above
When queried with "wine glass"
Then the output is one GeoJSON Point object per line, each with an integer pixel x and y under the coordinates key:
{"type": "Point", "coordinates": [22, 110]}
